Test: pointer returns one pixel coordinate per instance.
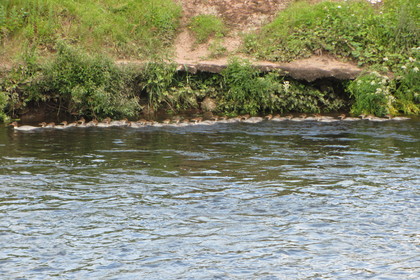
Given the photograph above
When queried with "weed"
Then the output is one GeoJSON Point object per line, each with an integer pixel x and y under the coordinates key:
{"type": "Point", "coordinates": [372, 95]}
{"type": "Point", "coordinates": [217, 49]}
{"type": "Point", "coordinates": [85, 85]}
{"type": "Point", "coordinates": [206, 26]}
{"type": "Point", "coordinates": [249, 91]}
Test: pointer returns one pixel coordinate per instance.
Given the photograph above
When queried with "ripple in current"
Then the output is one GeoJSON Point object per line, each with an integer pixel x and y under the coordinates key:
{"type": "Point", "coordinates": [270, 201]}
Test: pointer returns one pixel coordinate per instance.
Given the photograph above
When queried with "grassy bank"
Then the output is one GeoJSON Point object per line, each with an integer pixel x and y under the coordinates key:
{"type": "Point", "coordinates": [66, 52]}
{"type": "Point", "coordinates": [382, 37]}
{"type": "Point", "coordinates": [120, 29]}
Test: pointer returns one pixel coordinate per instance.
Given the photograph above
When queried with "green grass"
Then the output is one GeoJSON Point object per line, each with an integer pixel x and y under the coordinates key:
{"type": "Point", "coordinates": [383, 36]}
{"type": "Point", "coordinates": [120, 28]}
{"type": "Point", "coordinates": [206, 26]}
{"type": "Point", "coordinates": [356, 30]}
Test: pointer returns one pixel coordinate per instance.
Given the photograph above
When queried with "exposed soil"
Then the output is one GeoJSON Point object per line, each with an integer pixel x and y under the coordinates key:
{"type": "Point", "coordinates": [243, 16]}
{"type": "Point", "coordinates": [240, 16]}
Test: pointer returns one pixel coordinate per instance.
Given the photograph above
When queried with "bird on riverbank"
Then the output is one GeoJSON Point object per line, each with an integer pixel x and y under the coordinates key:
{"type": "Point", "coordinates": [81, 122]}
{"type": "Point", "coordinates": [196, 120]}
{"type": "Point", "coordinates": [123, 122]}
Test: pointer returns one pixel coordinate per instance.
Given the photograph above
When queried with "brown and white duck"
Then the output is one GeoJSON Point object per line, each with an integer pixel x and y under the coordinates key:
{"type": "Point", "coordinates": [23, 127]}
{"type": "Point", "coordinates": [390, 117]}
{"type": "Point", "coordinates": [343, 117]}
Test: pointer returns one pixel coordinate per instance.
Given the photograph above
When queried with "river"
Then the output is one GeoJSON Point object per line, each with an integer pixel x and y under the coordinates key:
{"type": "Point", "coordinates": [274, 200]}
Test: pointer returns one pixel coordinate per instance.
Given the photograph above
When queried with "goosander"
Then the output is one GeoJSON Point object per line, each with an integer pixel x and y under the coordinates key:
{"type": "Point", "coordinates": [268, 117]}
{"type": "Point", "coordinates": [67, 125]}
{"type": "Point", "coordinates": [93, 122]}
{"type": "Point", "coordinates": [390, 117]}
{"type": "Point", "coordinates": [222, 119]}
{"type": "Point", "coordinates": [343, 117]}
{"type": "Point", "coordinates": [45, 125]}
{"type": "Point", "coordinates": [104, 123]}
{"type": "Point", "coordinates": [196, 120]}
{"type": "Point", "coordinates": [325, 119]}
{"type": "Point", "coordinates": [23, 127]}
{"type": "Point", "coordinates": [81, 121]}
{"type": "Point", "coordinates": [123, 122]}
{"type": "Point", "coordinates": [253, 120]}
{"type": "Point", "coordinates": [372, 118]}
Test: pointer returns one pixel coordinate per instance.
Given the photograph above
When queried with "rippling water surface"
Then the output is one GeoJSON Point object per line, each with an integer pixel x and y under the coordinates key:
{"type": "Point", "coordinates": [229, 201]}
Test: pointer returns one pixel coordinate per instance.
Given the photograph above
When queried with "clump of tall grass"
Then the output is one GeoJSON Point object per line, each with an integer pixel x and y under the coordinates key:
{"type": "Point", "coordinates": [206, 26]}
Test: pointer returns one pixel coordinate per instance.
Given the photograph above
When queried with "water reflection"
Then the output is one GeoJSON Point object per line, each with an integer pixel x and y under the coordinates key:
{"type": "Point", "coordinates": [239, 201]}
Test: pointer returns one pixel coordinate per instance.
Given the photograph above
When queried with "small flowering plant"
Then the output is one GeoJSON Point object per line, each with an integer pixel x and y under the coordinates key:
{"type": "Point", "coordinates": [407, 83]}
{"type": "Point", "coordinates": [372, 95]}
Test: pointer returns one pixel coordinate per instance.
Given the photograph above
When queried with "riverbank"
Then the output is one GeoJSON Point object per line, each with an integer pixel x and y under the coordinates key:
{"type": "Point", "coordinates": [239, 63]}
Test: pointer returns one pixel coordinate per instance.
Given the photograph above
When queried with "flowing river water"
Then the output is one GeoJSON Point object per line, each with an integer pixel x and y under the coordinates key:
{"type": "Point", "coordinates": [274, 200]}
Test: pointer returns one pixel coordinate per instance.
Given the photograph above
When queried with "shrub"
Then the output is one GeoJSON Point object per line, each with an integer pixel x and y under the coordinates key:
{"type": "Point", "coordinates": [372, 95]}
{"type": "Point", "coordinates": [407, 85]}
{"type": "Point", "coordinates": [246, 90]}
{"type": "Point", "coordinates": [3, 103]}
{"type": "Point", "coordinates": [86, 85]}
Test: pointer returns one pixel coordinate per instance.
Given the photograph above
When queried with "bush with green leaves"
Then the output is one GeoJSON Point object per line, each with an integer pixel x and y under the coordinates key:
{"type": "Point", "coordinates": [407, 83]}
{"type": "Point", "coordinates": [3, 103]}
{"type": "Point", "coordinates": [378, 94]}
{"type": "Point", "coordinates": [86, 85]}
{"type": "Point", "coordinates": [166, 89]}
{"type": "Point", "coordinates": [206, 26]}
{"type": "Point", "coordinates": [247, 90]}
{"type": "Point", "coordinates": [372, 95]}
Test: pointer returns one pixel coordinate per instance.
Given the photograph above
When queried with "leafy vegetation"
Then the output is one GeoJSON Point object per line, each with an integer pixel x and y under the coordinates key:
{"type": "Point", "coordinates": [249, 91]}
{"type": "Point", "coordinates": [73, 82]}
{"type": "Point", "coordinates": [125, 28]}
{"type": "Point", "coordinates": [381, 36]}
{"type": "Point", "coordinates": [376, 93]}
{"type": "Point", "coordinates": [159, 82]}
{"type": "Point", "coordinates": [76, 41]}
{"type": "Point", "coordinates": [357, 30]}
{"type": "Point", "coordinates": [207, 26]}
